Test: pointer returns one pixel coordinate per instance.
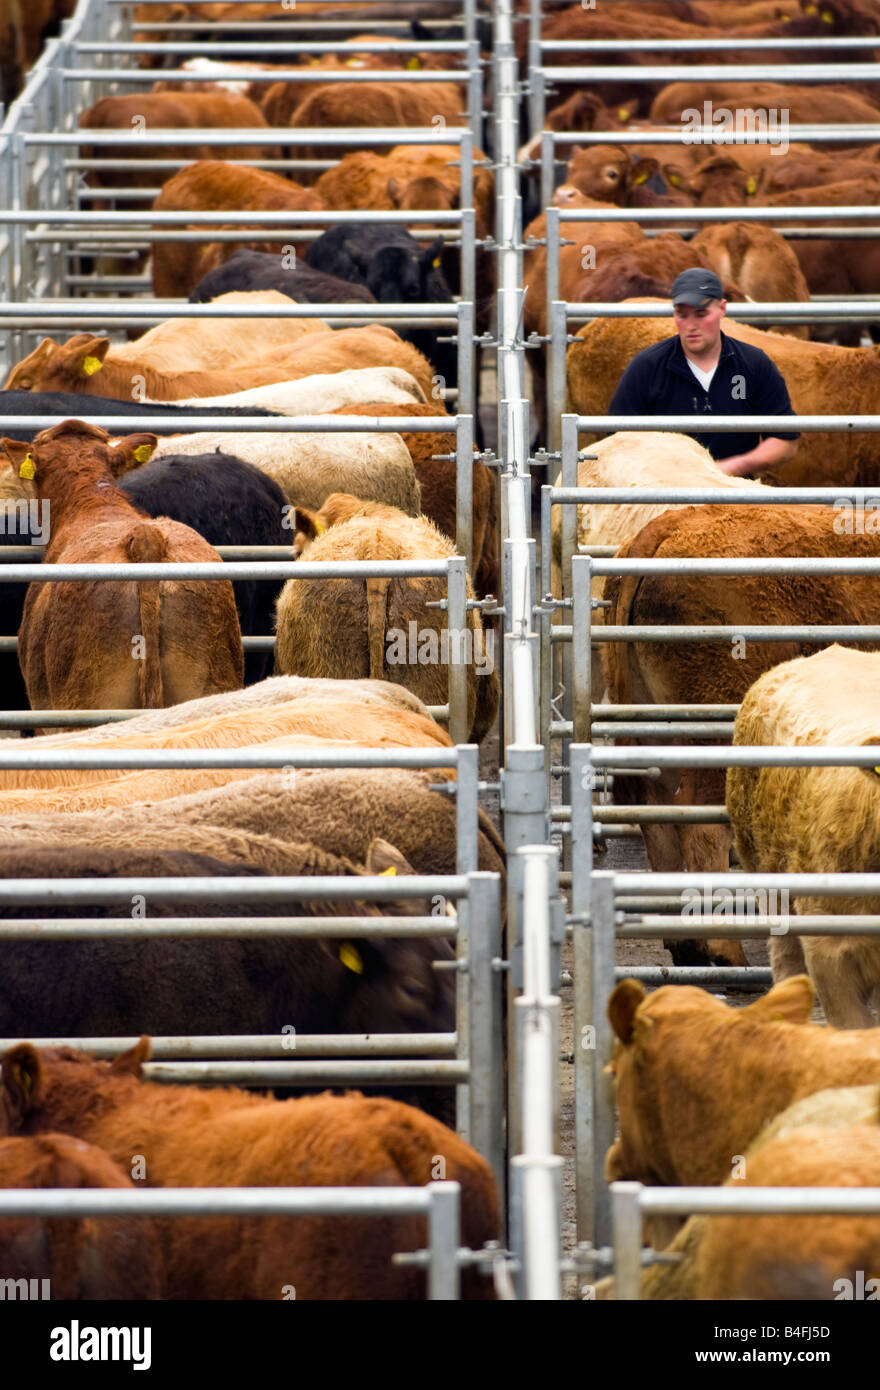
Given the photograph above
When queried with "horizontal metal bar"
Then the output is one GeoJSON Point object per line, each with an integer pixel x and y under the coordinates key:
{"type": "Point", "coordinates": [230, 569]}
{"type": "Point", "coordinates": [755, 977]}
{"type": "Point", "coordinates": [758, 1201]}
{"type": "Point", "coordinates": [348, 1073]}
{"type": "Point", "coordinates": [818, 634]}
{"type": "Point", "coordinates": [748, 213]}
{"type": "Point", "coordinates": [257, 756]}
{"type": "Point", "coordinates": [744, 924]}
{"type": "Point", "coordinates": [696, 496]}
{"type": "Point", "coordinates": [707, 72]}
{"type": "Point", "coordinates": [742, 755]}
{"type": "Point", "coordinates": [715, 135]}
{"type": "Point", "coordinates": [214, 1201]}
{"type": "Point", "coordinates": [284, 424]}
{"type": "Point", "coordinates": [789, 311]}
{"type": "Point", "coordinates": [261, 50]}
{"type": "Point", "coordinates": [771, 564]}
{"type": "Point", "coordinates": [263, 135]}
{"type": "Point", "coordinates": [224, 928]}
{"type": "Point", "coordinates": [643, 45]}
{"type": "Point", "coordinates": [328, 76]}
{"type": "Point", "coordinates": [235, 1047]}
{"type": "Point", "coordinates": [272, 888]}
{"type": "Point", "coordinates": [182, 309]}
{"type": "Point", "coordinates": [636, 729]}
{"type": "Point", "coordinates": [661, 815]}
{"type": "Point", "coordinates": [669, 711]}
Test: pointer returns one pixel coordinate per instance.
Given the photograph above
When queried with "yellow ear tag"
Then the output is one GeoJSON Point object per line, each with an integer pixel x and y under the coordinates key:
{"type": "Point", "coordinates": [436, 263]}
{"type": "Point", "coordinates": [351, 958]}
{"type": "Point", "coordinates": [27, 1083]}
{"type": "Point", "coordinates": [810, 9]}
{"type": "Point", "coordinates": [751, 186]}
{"type": "Point", "coordinates": [674, 180]}
{"type": "Point", "coordinates": [413, 63]}
{"type": "Point", "coordinates": [640, 178]}
{"type": "Point", "coordinates": [320, 528]}
{"type": "Point", "coordinates": [27, 469]}
{"type": "Point", "coordinates": [390, 872]}
{"type": "Point", "coordinates": [622, 113]}
{"type": "Point", "coordinates": [143, 453]}
{"type": "Point", "coordinates": [827, 17]}
{"type": "Point", "coordinates": [92, 365]}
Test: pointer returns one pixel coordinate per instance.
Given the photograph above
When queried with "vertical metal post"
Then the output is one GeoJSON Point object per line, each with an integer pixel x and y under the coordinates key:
{"type": "Point", "coordinates": [464, 489]}
{"type": "Point", "coordinates": [581, 640]}
{"type": "Point", "coordinates": [443, 1240]}
{"type": "Point", "coordinates": [627, 1240]}
{"type": "Point", "coordinates": [584, 1041]}
{"type": "Point", "coordinates": [548, 168]}
{"type": "Point", "coordinates": [466, 388]}
{"type": "Point", "coordinates": [456, 616]}
{"type": "Point", "coordinates": [602, 983]}
{"type": "Point", "coordinates": [475, 94]}
{"type": "Point", "coordinates": [537, 94]}
{"type": "Point", "coordinates": [569, 518]}
{"type": "Point", "coordinates": [486, 1060]}
{"type": "Point", "coordinates": [556, 382]}
{"type": "Point", "coordinates": [467, 856]}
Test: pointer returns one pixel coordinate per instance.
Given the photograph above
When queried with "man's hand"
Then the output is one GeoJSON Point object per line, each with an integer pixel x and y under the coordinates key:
{"type": "Point", "coordinates": [770, 453]}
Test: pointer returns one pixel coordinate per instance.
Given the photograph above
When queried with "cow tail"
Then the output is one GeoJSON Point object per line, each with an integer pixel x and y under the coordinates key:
{"type": "Point", "coordinates": [377, 604]}
{"type": "Point", "coordinates": [620, 590]}
{"type": "Point", "coordinates": [147, 545]}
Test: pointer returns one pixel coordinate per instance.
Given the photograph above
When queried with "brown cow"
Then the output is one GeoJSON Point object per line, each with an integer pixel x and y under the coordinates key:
{"type": "Point", "coordinates": [696, 1080]}
{"type": "Point", "coordinates": [437, 481]}
{"type": "Point", "coordinates": [811, 104]}
{"type": "Point", "coordinates": [117, 646]}
{"type": "Point", "coordinates": [67, 1258]}
{"type": "Point", "coordinates": [760, 261]}
{"type": "Point", "coordinates": [229, 1138]}
{"type": "Point", "coordinates": [385, 631]}
{"type": "Point", "coordinates": [211, 185]}
{"type": "Point", "coordinates": [408, 176]}
{"type": "Point", "coordinates": [383, 104]}
{"type": "Point", "coordinates": [131, 115]}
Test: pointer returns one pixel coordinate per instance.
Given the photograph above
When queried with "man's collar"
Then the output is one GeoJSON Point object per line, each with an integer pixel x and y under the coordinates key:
{"type": "Point", "coordinates": [681, 361]}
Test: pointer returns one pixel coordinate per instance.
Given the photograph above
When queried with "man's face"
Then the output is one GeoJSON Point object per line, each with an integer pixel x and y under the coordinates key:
{"type": "Point", "coordinates": [699, 328]}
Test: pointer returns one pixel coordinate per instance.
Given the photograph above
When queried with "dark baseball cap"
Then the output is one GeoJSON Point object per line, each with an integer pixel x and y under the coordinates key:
{"type": "Point", "coordinates": [697, 287]}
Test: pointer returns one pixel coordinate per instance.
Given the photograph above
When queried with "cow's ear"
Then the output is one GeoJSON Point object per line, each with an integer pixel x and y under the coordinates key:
{"type": "Point", "coordinates": [307, 527]}
{"type": "Point", "coordinates": [395, 188]}
{"type": "Point", "coordinates": [131, 451]}
{"type": "Point", "coordinates": [19, 457]}
{"type": "Point", "coordinates": [383, 858]}
{"type": "Point", "coordinates": [129, 1063]}
{"type": "Point", "coordinates": [23, 1080]}
{"type": "Point", "coordinates": [433, 256]}
{"type": "Point", "coordinates": [791, 1001]}
{"type": "Point", "coordinates": [86, 354]}
{"type": "Point", "coordinates": [622, 1006]}
{"type": "Point", "coordinates": [644, 169]}
{"type": "Point", "coordinates": [575, 149]}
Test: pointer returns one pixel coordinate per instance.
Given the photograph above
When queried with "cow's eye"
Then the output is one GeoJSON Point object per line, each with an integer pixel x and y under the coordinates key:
{"type": "Point", "coordinates": [613, 173]}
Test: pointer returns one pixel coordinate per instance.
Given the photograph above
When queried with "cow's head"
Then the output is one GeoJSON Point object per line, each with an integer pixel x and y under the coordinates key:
{"type": "Point", "coordinates": [338, 507]}
{"type": "Point", "coordinates": [719, 181]}
{"type": "Point", "coordinates": [409, 275]}
{"type": "Point", "coordinates": [71, 442]}
{"type": "Point", "coordinates": [608, 172]}
{"type": "Point", "coordinates": [55, 366]}
{"type": "Point", "coordinates": [55, 1087]}
{"type": "Point", "coordinates": [395, 980]}
{"type": "Point", "coordinates": [667, 1095]}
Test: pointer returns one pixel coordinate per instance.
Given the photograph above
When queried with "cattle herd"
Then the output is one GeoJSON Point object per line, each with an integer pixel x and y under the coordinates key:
{"type": "Point", "coordinates": [371, 466]}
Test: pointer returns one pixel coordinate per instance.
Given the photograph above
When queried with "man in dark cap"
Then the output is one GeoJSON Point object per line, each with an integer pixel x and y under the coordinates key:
{"type": "Point", "coordinates": [702, 371]}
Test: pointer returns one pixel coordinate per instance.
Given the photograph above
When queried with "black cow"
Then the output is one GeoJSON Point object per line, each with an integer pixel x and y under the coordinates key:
{"type": "Point", "coordinates": [71, 405]}
{"type": "Point", "coordinates": [177, 986]}
{"type": "Point", "coordinates": [229, 502]}
{"type": "Point", "coordinates": [259, 270]}
{"type": "Point", "coordinates": [397, 270]}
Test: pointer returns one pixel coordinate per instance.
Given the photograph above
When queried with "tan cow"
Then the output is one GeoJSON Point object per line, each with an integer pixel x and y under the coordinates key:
{"type": "Point", "coordinates": [84, 363]}
{"type": "Point", "coordinates": [815, 819]}
{"type": "Point", "coordinates": [337, 628]}
{"type": "Point", "coordinates": [130, 645]}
